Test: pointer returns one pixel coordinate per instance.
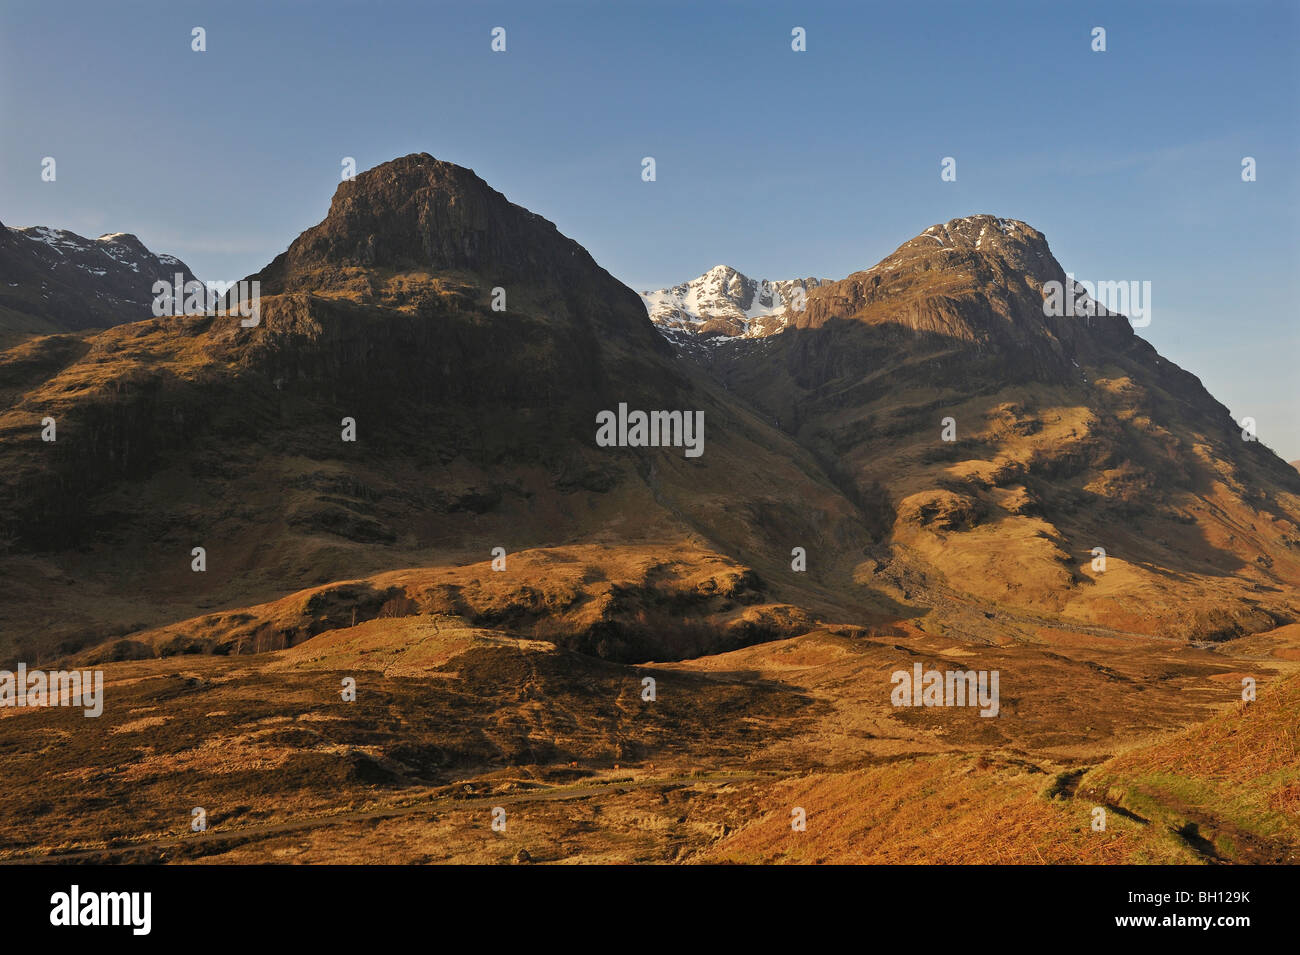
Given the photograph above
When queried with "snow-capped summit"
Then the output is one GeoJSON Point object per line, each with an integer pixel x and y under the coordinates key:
{"type": "Point", "coordinates": [54, 280]}
{"type": "Point", "coordinates": [723, 303]}
{"type": "Point", "coordinates": [86, 254]}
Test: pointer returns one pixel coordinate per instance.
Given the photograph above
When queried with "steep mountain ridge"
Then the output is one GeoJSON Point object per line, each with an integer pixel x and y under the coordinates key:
{"type": "Point", "coordinates": [415, 229]}
{"type": "Point", "coordinates": [1011, 443]}
{"type": "Point", "coordinates": [977, 280]}
{"type": "Point", "coordinates": [723, 303]}
{"type": "Point", "coordinates": [52, 280]}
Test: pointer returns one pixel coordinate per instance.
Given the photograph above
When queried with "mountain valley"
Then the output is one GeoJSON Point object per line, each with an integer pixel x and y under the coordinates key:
{"type": "Point", "coordinates": [909, 465]}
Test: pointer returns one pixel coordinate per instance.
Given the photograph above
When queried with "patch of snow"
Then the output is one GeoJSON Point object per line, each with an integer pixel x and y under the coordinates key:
{"type": "Point", "coordinates": [723, 294]}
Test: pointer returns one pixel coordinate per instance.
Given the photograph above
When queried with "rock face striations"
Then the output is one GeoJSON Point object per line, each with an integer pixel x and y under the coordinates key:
{"type": "Point", "coordinates": [449, 320]}
{"type": "Point", "coordinates": [414, 229]}
{"type": "Point", "coordinates": [978, 280]}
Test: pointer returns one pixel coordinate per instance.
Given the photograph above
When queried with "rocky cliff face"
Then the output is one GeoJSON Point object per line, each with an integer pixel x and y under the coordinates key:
{"type": "Point", "coordinates": [416, 231]}
{"type": "Point", "coordinates": [54, 281]}
{"type": "Point", "coordinates": [978, 280]}
{"type": "Point", "coordinates": [383, 312]}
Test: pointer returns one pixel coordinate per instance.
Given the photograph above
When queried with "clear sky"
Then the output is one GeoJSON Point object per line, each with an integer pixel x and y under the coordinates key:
{"type": "Point", "coordinates": [778, 163]}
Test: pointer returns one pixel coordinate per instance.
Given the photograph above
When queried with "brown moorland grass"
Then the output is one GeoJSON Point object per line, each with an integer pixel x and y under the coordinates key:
{"type": "Point", "coordinates": [1230, 782]}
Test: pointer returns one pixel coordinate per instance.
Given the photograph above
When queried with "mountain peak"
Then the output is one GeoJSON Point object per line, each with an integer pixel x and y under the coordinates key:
{"type": "Point", "coordinates": [1022, 247]}
{"type": "Point", "coordinates": [423, 215]}
{"type": "Point", "coordinates": [982, 280]}
{"type": "Point", "coordinates": [724, 303]}
{"type": "Point", "coordinates": [421, 234]}
{"type": "Point", "coordinates": [968, 230]}
{"type": "Point", "coordinates": [1002, 262]}
{"type": "Point", "coordinates": [58, 281]}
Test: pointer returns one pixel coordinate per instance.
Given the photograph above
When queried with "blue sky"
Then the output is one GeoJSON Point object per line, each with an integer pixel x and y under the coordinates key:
{"type": "Point", "coordinates": [775, 162]}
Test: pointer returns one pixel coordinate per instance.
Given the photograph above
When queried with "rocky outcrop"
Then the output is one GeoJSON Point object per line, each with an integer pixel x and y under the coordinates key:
{"type": "Point", "coordinates": [978, 281]}
{"type": "Point", "coordinates": [417, 230]}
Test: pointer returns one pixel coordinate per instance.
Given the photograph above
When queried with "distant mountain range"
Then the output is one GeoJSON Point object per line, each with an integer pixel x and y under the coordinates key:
{"type": "Point", "coordinates": [52, 280]}
{"type": "Point", "coordinates": [722, 303]}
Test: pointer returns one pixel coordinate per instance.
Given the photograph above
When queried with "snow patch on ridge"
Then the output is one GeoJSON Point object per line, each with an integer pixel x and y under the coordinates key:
{"type": "Point", "coordinates": [724, 303]}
